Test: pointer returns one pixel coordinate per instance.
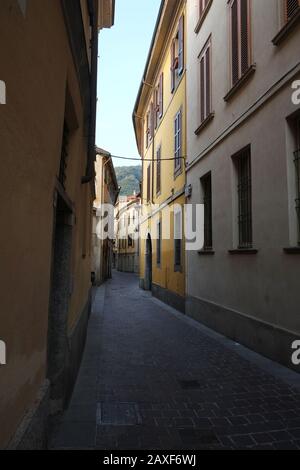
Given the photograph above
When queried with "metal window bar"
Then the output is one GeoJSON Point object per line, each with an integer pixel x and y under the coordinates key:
{"type": "Point", "coordinates": [245, 200]}
{"type": "Point", "coordinates": [207, 201]}
{"type": "Point", "coordinates": [64, 155]}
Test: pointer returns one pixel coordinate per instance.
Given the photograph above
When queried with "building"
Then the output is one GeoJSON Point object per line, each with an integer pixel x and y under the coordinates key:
{"type": "Point", "coordinates": [107, 191]}
{"type": "Point", "coordinates": [127, 229]}
{"type": "Point", "coordinates": [49, 53]}
{"type": "Point", "coordinates": [159, 122]}
{"type": "Point", "coordinates": [243, 164]}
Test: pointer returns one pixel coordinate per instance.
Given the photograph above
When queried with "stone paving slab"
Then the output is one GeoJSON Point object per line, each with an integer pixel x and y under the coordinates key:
{"type": "Point", "coordinates": [190, 387]}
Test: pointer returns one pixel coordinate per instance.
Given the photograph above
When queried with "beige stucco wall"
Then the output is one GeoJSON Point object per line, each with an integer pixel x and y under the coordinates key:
{"type": "Point", "coordinates": [266, 285]}
{"type": "Point", "coordinates": [36, 65]}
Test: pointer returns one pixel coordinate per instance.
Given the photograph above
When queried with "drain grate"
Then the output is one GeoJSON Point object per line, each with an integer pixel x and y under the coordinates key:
{"type": "Point", "coordinates": [118, 414]}
{"type": "Point", "coordinates": [189, 384]}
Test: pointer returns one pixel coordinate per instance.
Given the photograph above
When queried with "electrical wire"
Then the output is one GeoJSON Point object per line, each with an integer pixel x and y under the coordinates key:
{"type": "Point", "coordinates": [149, 159]}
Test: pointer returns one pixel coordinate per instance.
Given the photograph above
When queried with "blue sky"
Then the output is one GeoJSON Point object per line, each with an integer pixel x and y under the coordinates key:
{"type": "Point", "coordinates": [123, 52]}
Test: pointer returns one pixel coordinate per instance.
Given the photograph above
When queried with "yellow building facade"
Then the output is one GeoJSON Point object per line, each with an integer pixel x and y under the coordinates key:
{"type": "Point", "coordinates": [160, 125]}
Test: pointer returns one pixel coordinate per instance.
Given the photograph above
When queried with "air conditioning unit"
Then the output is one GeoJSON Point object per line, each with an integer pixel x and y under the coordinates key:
{"type": "Point", "coordinates": [188, 190]}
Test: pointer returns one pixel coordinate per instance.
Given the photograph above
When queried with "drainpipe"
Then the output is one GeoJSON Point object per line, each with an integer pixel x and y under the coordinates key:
{"type": "Point", "coordinates": [90, 170]}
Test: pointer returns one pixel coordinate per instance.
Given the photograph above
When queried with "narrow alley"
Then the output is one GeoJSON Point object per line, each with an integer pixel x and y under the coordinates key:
{"type": "Point", "coordinates": [151, 378]}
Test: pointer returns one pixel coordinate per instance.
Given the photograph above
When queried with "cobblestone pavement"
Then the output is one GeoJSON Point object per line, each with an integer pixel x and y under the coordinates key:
{"type": "Point", "coordinates": [153, 379]}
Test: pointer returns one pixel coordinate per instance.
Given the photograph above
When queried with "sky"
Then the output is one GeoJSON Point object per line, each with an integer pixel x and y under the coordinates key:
{"type": "Point", "coordinates": [123, 52]}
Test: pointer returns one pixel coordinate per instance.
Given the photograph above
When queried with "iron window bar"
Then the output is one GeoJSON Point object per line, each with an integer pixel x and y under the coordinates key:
{"type": "Point", "coordinates": [245, 200]}
{"type": "Point", "coordinates": [207, 201]}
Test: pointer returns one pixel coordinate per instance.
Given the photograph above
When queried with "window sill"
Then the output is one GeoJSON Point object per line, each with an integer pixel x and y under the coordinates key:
{"type": "Point", "coordinates": [240, 82]}
{"type": "Point", "coordinates": [204, 123]}
{"type": "Point", "coordinates": [202, 17]}
{"type": "Point", "coordinates": [206, 252]}
{"type": "Point", "coordinates": [294, 250]}
{"type": "Point", "coordinates": [287, 28]}
{"type": "Point", "coordinates": [243, 251]}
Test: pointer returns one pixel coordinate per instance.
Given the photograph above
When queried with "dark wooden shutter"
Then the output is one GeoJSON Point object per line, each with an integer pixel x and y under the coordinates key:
{"type": "Point", "coordinates": [181, 45]}
{"type": "Point", "coordinates": [151, 120]}
{"type": "Point", "coordinates": [202, 90]}
{"type": "Point", "coordinates": [158, 170]}
{"type": "Point", "coordinates": [207, 76]}
{"type": "Point", "coordinates": [156, 106]}
{"type": "Point", "coordinates": [234, 42]}
{"type": "Point", "coordinates": [161, 95]}
{"type": "Point", "coordinates": [244, 36]}
{"type": "Point", "coordinates": [172, 66]}
{"type": "Point", "coordinates": [291, 6]}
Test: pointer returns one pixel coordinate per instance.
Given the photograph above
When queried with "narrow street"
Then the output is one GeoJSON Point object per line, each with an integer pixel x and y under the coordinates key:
{"type": "Point", "coordinates": [151, 378]}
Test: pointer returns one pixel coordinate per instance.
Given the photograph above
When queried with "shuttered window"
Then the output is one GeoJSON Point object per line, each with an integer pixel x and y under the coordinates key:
{"type": "Point", "coordinates": [161, 95]}
{"type": "Point", "coordinates": [240, 38]}
{"type": "Point", "coordinates": [181, 45]}
{"type": "Point", "coordinates": [173, 67]}
{"type": "Point", "coordinates": [151, 121]}
{"type": "Point", "coordinates": [290, 8]}
{"type": "Point", "coordinates": [205, 82]}
{"type": "Point", "coordinates": [177, 55]}
{"type": "Point", "coordinates": [148, 129]}
{"type": "Point", "coordinates": [158, 101]}
{"type": "Point", "coordinates": [178, 140]}
{"type": "Point", "coordinates": [158, 170]}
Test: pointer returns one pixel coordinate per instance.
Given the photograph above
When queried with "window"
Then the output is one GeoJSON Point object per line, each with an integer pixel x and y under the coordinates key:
{"type": "Point", "coordinates": [64, 155]}
{"type": "Point", "coordinates": [149, 125]}
{"type": "Point", "coordinates": [158, 101]}
{"type": "Point", "coordinates": [148, 183]}
{"type": "Point", "coordinates": [297, 169]}
{"type": "Point", "coordinates": [158, 170]}
{"type": "Point", "coordinates": [177, 239]}
{"type": "Point", "coordinates": [177, 54]}
{"type": "Point", "coordinates": [207, 201]}
{"type": "Point", "coordinates": [205, 82]}
{"type": "Point", "coordinates": [243, 168]}
{"type": "Point", "coordinates": [178, 140]}
{"type": "Point", "coordinates": [130, 241]}
{"type": "Point", "coordinates": [290, 8]}
{"type": "Point", "coordinates": [180, 46]}
{"type": "Point", "coordinates": [158, 244]}
{"type": "Point", "coordinates": [148, 129]}
{"type": "Point", "coordinates": [240, 39]}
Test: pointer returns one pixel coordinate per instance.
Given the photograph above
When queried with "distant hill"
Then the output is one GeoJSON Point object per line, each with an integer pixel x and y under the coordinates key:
{"type": "Point", "coordinates": [129, 179]}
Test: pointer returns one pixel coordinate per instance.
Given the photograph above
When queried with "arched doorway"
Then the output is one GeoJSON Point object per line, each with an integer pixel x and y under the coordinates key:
{"type": "Point", "coordinates": [148, 265]}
